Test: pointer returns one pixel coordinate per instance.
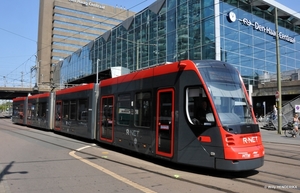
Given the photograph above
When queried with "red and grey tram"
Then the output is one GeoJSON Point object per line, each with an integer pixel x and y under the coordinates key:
{"type": "Point", "coordinates": [189, 112]}
{"type": "Point", "coordinates": [159, 111]}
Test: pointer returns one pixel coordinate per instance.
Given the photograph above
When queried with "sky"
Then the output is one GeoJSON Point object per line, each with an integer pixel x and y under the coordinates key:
{"type": "Point", "coordinates": [18, 37]}
{"type": "Point", "coordinates": [19, 29]}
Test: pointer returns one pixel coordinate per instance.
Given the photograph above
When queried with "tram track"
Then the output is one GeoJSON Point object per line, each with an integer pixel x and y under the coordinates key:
{"type": "Point", "coordinates": [263, 184]}
{"type": "Point", "coordinates": [271, 174]}
{"type": "Point", "coordinates": [293, 149]}
{"type": "Point", "coordinates": [253, 179]}
{"type": "Point", "coordinates": [279, 162]}
{"type": "Point", "coordinates": [266, 180]}
{"type": "Point", "coordinates": [241, 178]}
{"type": "Point", "coordinates": [274, 180]}
{"type": "Point", "coordinates": [162, 163]}
{"type": "Point", "coordinates": [214, 174]}
{"type": "Point", "coordinates": [95, 157]}
{"type": "Point", "coordinates": [280, 175]}
{"type": "Point", "coordinates": [44, 133]}
{"type": "Point", "coordinates": [290, 157]}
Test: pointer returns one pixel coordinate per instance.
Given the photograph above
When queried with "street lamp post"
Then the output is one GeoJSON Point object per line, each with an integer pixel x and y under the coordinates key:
{"type": "Point", "coordinates": [4, 77]}
{"type": "Point", "coordinates": [37, 70]}
{"type": "Point", "coordinates": [279, 100]}
{"type": "Point", "coordinates": [137, 54]}
{"type": "Point", "coordinates": [98, 60]}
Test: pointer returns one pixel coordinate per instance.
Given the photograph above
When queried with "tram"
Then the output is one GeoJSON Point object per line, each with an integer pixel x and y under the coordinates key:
{"type": "Point", "coordinates": [75, 111]}
{"type": "Point", "coordinates": [19, 110]}
{"type": "Point", "coordinates": [39, 111]}
{"type": "Point", "coordinates": [189, 112]}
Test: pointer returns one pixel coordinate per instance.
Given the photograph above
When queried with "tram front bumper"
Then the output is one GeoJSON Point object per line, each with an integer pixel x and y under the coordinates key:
{"type": "Point", "coordinates": [239, 165]}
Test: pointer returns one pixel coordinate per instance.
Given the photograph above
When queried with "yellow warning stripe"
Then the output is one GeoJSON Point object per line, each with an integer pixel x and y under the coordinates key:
{"type": "Point", "coordinates": [116, 176]}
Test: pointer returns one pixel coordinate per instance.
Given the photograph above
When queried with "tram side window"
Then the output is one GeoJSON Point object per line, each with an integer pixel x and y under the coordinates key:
{"type": "Point", "coordinates": [20, 111]}
{"type": "Point", "coordinates": [65, 110]}
{"type": "Point", "coordinates": [165, 105]}
{"type": "Point", "coordinates": [107, 111]}
{"type": "Point", "coordinates": [191, 95]}
{"type": "Point", "coordinates": [58, 111]}
{"type": "Point", "coordinates": [15, 110]}
{"type": "Point", "coordinates": [123, 111]}
{"type": "Point", "coordinates": [73, 110]}
{"type": "Point", "coordinates": [41, 110]}
{"type": "Point", "coordinates": [142, 109]}
{"type": "Point", "coordinates": [82, 109]}
{"type": "Point", "coordinates": [197, 108]}
{"type": "Point", "coordinates": [30, 111]}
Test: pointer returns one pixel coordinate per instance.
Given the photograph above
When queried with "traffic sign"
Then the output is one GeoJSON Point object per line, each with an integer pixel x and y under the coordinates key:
{"type": "Point", "coordinates": [277, 94]}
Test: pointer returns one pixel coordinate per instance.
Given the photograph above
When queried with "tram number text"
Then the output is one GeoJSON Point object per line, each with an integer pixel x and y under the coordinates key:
{"type": "Point", "coordinates": [247, 140]}
{"type": "Point", "coordinates": [134, 133]}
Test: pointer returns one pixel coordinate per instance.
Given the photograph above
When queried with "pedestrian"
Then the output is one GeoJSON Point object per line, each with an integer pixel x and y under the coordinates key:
{"type": "Point", "coordinates": [274, 112]}
{"type": "Point", "coordinates": [295, 124]}
{"type": "Point", "coordinates": [260, 118]}
{"type": "Point", "coordinates": [200, 115]}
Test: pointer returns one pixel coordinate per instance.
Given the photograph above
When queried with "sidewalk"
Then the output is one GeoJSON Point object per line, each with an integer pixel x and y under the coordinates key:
{"type": "Point", "coordinates": [273, 137]}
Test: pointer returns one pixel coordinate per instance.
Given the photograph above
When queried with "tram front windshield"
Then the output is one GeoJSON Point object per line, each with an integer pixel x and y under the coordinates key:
{"type": "Point", "coordinates": [225, 87]}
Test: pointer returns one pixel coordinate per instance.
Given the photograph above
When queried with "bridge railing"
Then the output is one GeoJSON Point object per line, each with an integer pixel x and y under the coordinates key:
{"type": "Point", "coordinates": [288, 110]}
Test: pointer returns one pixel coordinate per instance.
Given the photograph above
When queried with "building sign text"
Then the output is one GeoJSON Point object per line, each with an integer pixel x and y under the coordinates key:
{"type": "Point", "coordinates": [88, 3]}
{"type": "Point", "coordinates": [267, 30]}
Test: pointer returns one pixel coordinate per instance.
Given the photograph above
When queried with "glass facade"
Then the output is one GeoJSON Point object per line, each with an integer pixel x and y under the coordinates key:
{"type": "Point", "coordinates": [252, 49]}
{"type": "Point", "coordinates": [172, 30]}
{"type": "Point", "coordinates": [76, 66]}
{"type": "Point", "coordinates": [81, 25]}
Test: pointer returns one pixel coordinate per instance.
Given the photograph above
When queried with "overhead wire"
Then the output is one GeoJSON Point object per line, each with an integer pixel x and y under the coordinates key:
{"type": "Point", "coordinates": [99, 24]}
{"type": "Point", "coordinates": [68, 36]}
{"type": "Point", "coordinates": [238, 8]}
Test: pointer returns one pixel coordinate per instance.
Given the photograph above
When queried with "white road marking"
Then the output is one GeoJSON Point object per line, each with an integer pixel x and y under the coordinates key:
{"type": "Point", "coordinates": [116, 176]}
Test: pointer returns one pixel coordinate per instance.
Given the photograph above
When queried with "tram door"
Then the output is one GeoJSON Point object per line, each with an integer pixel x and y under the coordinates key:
{"type": "Point", "coordinates": [106, 119]}
{"type": "Point", "coordinates": [21, 114]}
{"type": "Point", "coordinates": [58, 113]}
{"type": "Point", "coordinates": [30, 114]}
{"type": "Point", "coordinates": [165, 122]}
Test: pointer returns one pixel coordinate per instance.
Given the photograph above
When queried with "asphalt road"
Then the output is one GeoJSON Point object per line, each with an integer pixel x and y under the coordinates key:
{"type": "Point", "coordinates": [38, 161]}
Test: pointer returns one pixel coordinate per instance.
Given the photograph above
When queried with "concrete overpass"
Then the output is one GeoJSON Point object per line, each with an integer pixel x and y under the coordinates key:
{"type": "Point", "coordinates": [269, 88]}
{"type": "Point", "coordinates": [9, 93]}
{"type": "Point", "coordinates": [265, 93]}
{"type": "Point", "coordinates": [262, 92]}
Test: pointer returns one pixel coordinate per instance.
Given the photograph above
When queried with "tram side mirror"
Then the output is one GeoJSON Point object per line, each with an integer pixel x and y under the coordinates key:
{"type": "Point", "coordinates": [203, 93]}
{"type": "Point", "coordinates": [195, 92]}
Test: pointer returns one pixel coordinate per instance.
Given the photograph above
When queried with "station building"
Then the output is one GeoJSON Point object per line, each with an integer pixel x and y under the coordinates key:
{"type": "Point", "coordinates": [66, 26]}
{"type": "Point", "coordinates": [240, 32]}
